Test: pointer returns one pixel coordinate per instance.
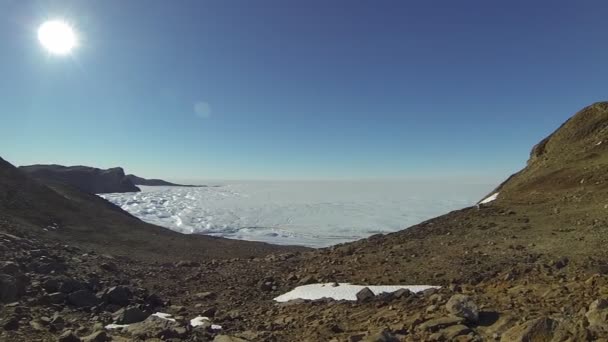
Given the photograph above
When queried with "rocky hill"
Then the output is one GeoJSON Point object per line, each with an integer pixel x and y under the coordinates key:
{"type": "Point", "coordinates": [154, 182]}
{"type": "Point", "coordinates": [529, 266]}
{"type": "Point", "coordinates": [89, 179]}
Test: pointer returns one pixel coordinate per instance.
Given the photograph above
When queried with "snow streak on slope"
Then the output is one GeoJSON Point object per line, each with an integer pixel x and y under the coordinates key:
{"type": "Point", "coordinates": [316, 214]}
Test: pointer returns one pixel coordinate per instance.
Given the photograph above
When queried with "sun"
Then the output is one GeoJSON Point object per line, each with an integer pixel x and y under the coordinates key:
{"type": "Point", "coordinates": [57, 37]}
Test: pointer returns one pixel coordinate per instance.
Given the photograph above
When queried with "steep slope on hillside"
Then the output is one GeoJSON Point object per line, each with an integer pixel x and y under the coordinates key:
{"type": "Point", "coordinates": [89, 179]}
{"type": "Point", "coordinates": [570, 162]}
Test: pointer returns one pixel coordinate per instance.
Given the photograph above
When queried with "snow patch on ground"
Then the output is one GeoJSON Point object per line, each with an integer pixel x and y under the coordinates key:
{"type": "Point", "coordinates": [199, 320]}
{"type": "Point", "coordinates": [344, 291]}
{"type": "Point", "coordinates": [490, 198]}
{"type": "Point", "coordinates": [314, 214]}
{"type": "Point", "coordinates": [116, 326]}
{"type": "Point", "coordinates": [164, 316]}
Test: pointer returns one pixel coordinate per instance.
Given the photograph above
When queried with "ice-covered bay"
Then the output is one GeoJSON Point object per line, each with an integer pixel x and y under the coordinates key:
{"type": "Point", "coordinates": [316, 214]}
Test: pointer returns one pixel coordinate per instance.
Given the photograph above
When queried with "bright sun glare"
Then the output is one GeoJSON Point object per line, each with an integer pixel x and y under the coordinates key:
{"type": "Point", "coordinates": [57, 37]}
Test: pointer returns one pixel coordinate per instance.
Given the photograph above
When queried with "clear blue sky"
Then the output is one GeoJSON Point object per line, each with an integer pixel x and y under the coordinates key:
{"type": "Point", "coordinates": [298, 90]}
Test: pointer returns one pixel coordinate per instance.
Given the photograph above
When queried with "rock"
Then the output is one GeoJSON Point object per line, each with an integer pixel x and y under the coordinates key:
{"type": "Point", "coordinates": [83, 298]}
{"type": "Point", "coordinates": [537, 330]}
{"type": "Point", "coordinates": [308, 280]}
{"type": "Point", "coordinates": [68, 336]}
{"type": "Point", "coordinates": [597, 316]}
{"type": "Point", "coordinates": [402, 293]}
{"type": "Point", "coordinates": [9, 291]}
{"type": "Point", "coordinates": [57, 321]}
{"type": "Point", "coordinates": [9, 267]}
{"type": "Point", "coordinates": [98, 336]}
{"type": "Point", "coordinates": [453, 331]}
{"type": "Point", "coordinates": [382, 336]}
{"type": "Point", "coordinates": [463, 306]}
{"type": "Point", "coordinates": [109, 266]}
{"type": "Point", "coordinates": [440, 323]}
{"type": "Point", "coordinates": [210, 312]}
{"type": "Point", "coordinates": [129, 315]}
{"type": "Point", "coordinates": [156, 327]}
{"type": "Point", "coordinates": [266, 286]}
{"type": "Point", "coordinates": [365, 294]}
{"type": "Point", "coordinates": [56, 298]}
{"type": "Point", "coordinates": [187, 263]}
{"type": "Point", "coordinates": [226, 338]}
{"type": "Point", "coordinates": [205, 295]}
{"type": "Point", "coordinates": [51, 285]}
{"type": "Point", "coordinates": [119, 295]}
{"type": "Point", "coordinates": [561, 262]}
{"type": "Point", "coordinates": [71, 285]}
{"type": "Point", "coordinates": [12, 323]}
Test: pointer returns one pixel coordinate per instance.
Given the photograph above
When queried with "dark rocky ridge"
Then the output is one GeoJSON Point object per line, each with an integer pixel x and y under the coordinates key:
{"type": "Point", "coordinates": [155, 182]}
{"type": "Point", "coordinates": [89, 179]}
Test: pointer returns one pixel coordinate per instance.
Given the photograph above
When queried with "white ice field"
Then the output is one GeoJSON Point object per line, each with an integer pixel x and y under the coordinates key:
{"type": "Point", "coordinates": [316, 214]}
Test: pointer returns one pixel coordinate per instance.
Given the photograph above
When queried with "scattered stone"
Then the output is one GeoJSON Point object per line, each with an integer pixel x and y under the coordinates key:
{"type": "Point", "coordinates": [365, 294]}
{"type": "Point", "coordinates": [540, 329]}
{"type": "Point", "coordinates": [129, 315]}
{"type": "Point", "coordinates": [205, 295]}
{"type": "Point", "coordinates": [440, 323]}
{"type": "Point", "coordinates": [156, 327]}
{"type": "Point", "coordinates": [9, 291]}
{"type": "Point", "coordinates": [308, 280]}
{"type": "Point", "coordinates": [597, 316]}
{"type": "Point", "coordinates": [463, 306]}
{"type": "Point", "coordinates": [98, 336]}
{"type": "Point", "coordinates": [382, 336]}
{"type": "Point", "coordinates": [56, 298]}
{"type": "Point", "coordinates": [12, 323]}
{"type": "Point", "coordinates": [69, 336]}
{"type": "Point", "coordinates": [226, 338]}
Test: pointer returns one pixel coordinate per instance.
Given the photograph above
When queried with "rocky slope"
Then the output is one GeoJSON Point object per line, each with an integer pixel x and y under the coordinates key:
{"type": "Point", "coordinates": [154, 182]}
{"type": "Point", "coordinates": [89, 179]}
{"type": "Point", "coordinates": [529, 266]}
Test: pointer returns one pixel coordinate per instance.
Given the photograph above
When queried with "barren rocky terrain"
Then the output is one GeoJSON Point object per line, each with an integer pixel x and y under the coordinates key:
{"type": "Point", "coordinates": [529, 266]}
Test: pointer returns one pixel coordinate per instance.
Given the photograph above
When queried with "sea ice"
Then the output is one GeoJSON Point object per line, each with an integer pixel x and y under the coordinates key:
{"type": "Point", "coordinates": [315, 214]}
{"type": "Point", "coordinates": [344, 291]}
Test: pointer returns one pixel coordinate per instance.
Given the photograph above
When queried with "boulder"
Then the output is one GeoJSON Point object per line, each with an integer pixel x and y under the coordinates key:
{"type": "Point", "coordinates": [463, 306]}
{"type": "Point", "coordinates": [83, 298]}
{"type": "Point", "coordinates": [365, 294]}
{"type": "Point", "coordinates": [9, 290]}
{"type": "Point", "coordinates": [119, 295]}
{"type": "Point", "coordinates": [537, 330]}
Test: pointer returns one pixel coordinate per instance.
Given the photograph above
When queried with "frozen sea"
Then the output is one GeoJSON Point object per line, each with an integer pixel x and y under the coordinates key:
{"type": "Point", "coordinates": [315, 214]}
